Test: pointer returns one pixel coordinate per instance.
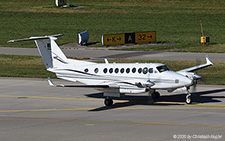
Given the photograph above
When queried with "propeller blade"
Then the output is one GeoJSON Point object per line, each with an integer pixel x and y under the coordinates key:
{"type": "Point", "coordinates": [194, 86]}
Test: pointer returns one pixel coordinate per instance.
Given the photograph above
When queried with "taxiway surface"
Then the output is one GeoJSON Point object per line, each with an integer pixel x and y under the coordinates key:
{"type": "Point", "coordinates": [32, 110]}
{"type": "Point", "coordinates": [100, 53]}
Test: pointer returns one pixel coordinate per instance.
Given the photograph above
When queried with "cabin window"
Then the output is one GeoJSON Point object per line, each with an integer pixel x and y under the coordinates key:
{"type": "Point", "coordinates": [110, 70]}
{"type": "Point", "coordinates": [105, 70]}
{"type": "Point", "coordinates": [96, 70]}
{"type": "Point", "coordinates": [134, 70]}
{"type": "Point", "coordinates": [140, 70]}
{"type": "Point", "coordinates": [116, 70]}
{"type": "Point", "coordinates": [122, 70]}
{"type": "Point", "coordinates": [86, 70]}
{"type": "Point", "coordinates": [145, 70]}
{"type": "Point", "coordinates": [128, 70]}
{"type": "Point", "coordinates": [150, 70]}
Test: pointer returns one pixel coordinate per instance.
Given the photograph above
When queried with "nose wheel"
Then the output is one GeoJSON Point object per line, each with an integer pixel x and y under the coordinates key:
{"type": "Point", "coordinates": [108, 102]}
{"type": "Point", "coordinates": [188, 98]}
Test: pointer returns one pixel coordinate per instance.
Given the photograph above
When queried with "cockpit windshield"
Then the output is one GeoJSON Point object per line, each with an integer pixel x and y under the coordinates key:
{"type": "Point", "coordinates": [162, 68]}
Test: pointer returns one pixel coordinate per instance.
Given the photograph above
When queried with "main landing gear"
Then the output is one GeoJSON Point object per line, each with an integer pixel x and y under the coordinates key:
{"type": "Point", "coordinates": [108, 102]}
{"type": "Point", "coordinates": [153, 95]}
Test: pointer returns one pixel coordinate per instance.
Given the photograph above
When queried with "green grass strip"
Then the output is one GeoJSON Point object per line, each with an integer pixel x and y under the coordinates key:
{"type": "Point", "coordinates": [33, 66]}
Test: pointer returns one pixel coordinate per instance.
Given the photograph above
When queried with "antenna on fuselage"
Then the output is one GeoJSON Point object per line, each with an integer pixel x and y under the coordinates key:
{"type": "Point", "coordinates": [106, 61]}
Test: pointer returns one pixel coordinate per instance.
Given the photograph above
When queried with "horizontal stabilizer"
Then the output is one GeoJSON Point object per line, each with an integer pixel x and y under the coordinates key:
{"type": "Point", "coordinates": [35, 38]}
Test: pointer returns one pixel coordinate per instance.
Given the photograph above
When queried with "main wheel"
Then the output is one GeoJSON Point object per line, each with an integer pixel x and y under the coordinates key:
{"type": "Point", "coordinates": [155, 95]}
{"type": "Point", "coordinates": [188, 99]}
{"type": "Point", "coordinates": [108, 102]}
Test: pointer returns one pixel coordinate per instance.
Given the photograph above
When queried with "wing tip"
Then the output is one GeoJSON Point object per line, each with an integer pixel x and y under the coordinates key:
{"type": "Point", "coordinates": [208, 61]}
{"type": "Point", "coordinates": [11, 41]}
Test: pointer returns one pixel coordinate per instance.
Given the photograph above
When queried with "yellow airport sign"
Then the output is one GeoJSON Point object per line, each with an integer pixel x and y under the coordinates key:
{"type": "Point", "coordinates": [141, 37]}
{"type": "Point", "coordinates": [126, 38]}
{"type": "Point", "coordinates": [113, 39]}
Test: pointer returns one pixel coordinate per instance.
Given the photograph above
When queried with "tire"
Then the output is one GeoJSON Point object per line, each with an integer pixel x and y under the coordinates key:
{"type": "Point", "coordinates": [188, 99]}
{"type": "Point", "coordinates": [155, 95]}
{"type": "Point", "coordinates": [108, 102]}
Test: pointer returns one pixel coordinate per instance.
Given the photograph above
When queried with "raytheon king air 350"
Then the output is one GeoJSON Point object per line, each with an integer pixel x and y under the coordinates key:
{"type": "Point", "coordinates": [115, 79]}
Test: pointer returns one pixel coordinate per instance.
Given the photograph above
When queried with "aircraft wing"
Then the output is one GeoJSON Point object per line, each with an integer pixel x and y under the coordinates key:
{"type": "Point", "coordinates": [138, 83]}
{"type": "Point", "coordinates": [109, 90]}
{"type": "Point", "coordinates": [207, 64]}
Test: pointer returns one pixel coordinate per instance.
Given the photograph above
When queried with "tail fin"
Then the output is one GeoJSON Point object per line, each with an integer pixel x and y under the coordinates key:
{"type": "Point", "coordinates": [50, 52]}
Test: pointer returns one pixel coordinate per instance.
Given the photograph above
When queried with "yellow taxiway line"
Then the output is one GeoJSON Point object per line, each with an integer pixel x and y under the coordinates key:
{"type": "Point", "coordinates": [124, 108]}
{"type": "Point", "coordinates": [193, 106]}
{"type": "Point", "coordinates": [89, 99]}
{"type": "Point", "coordinates": [39, 97]}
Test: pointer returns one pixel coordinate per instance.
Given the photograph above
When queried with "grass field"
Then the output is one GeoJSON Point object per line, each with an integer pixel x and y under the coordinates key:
{"type": "Point", "coordinates": [175, 21]}
{"type": "Point", "coordinates": [33, 66]}
{"type": "Point", "coordinates": [23, 66]}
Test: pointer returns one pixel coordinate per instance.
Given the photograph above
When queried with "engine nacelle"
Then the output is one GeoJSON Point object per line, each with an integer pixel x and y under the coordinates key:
{"type": "Point", "coordinates": [191, 75]}
{"type": "Point", "coordinates": [177, 90]}
{"type": "Point", "coordinates": [145, 84]}
{"type": "Point", "coordinates": [132, 91]}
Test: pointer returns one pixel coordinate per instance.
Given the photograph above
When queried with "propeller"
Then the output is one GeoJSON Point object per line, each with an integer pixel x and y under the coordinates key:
{"type": "Point", "coordinates": [195, 77]}
{"type": "Point", "coordinates": [193, 89]}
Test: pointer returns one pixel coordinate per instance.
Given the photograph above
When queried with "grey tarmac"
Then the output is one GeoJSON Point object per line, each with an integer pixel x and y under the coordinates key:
{"type": "Point", "coordinates": [32, 110]}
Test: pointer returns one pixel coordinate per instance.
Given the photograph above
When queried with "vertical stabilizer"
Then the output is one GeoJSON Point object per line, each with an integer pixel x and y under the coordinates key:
{"type": "Point", "coordinates": [50, 52]}
{"type": "Point", "coordinates": [58, 57]}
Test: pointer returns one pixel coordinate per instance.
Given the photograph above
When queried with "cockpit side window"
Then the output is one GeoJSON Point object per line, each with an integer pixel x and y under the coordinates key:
{"type": "Point", "coordinates": [162, 68]}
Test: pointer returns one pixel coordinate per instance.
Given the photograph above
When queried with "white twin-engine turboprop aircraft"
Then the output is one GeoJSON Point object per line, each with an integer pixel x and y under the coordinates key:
{"type": "Point", "coordinates": [115, 79]}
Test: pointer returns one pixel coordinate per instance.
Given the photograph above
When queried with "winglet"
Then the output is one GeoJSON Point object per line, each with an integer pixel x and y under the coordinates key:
{"type": "Point", "coordinates": [208, 61]}
{"type": "Point", "coordinates": [50, 82]}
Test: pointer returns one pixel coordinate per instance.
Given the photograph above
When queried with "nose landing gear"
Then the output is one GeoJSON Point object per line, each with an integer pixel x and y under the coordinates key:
{"type": "Point", "coordinates": [188, 98]}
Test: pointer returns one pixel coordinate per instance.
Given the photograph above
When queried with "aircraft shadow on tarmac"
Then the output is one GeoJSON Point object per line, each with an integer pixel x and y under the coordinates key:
{"type": "Point", "coordinates": [198, 97]}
